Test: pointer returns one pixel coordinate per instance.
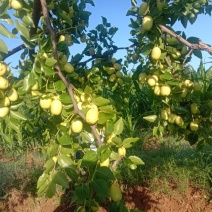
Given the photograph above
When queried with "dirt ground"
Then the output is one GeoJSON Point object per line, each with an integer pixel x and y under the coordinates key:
{"type": "Point", "coordinates": [135, 198]}
{"type": "Point", "coordinates": [18, 199]}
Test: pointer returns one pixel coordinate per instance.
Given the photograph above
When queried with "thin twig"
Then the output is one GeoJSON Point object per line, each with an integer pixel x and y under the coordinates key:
{"type": "Point", "coordinates": [115, 49]}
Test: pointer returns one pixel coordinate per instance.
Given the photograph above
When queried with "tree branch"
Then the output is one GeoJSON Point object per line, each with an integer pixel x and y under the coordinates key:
{"type": "Point", "coordinates": [109, 53]}
{"type": "Point", "coordinates": [13, 51]}
{"type": "Point", "coordinates": [68, 85]}
{"type": "Point", "coordinates": [36, 14]}
{"type": "Point", "coordinates": [200, 45]}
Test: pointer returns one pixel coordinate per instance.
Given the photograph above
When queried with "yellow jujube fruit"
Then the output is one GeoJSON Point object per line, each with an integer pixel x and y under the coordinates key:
{"type": "Point", "coordinates": [92, 116]}
{"type": "Point", "coordinates": [115, 192]}
{"type": "Point", "coordinates": [117, 66]}
{"type": "Point", "coordinates": [12, 95]}
{"type": "Point", "coordinates": [165, 90]}
{"type": "Point", "coordinates": [157, 90]}
{"type": "Point", "coordinates": [56, 107]}
{"type": "Point", "coordinates": [45, 103]}
{"type": "Point", "coordinates": [16, 5]}
{"type": "Point", "coordinates": [194, 108]}
{"type": "Point", "coordinates": [68, 68]}
{"type": "Point", "coordinates": [194, 126]}
{"type": "Point", "coordinates": [176, 54]}
{"type": "Point", "coordinates": [147, 23]}
{"type": "Point", "coordinates": [142, 77]}
{"type": "Point", "coordinates": [184, 93]}
{"type": "Point", "coordinates": [62, 59]}
{"type": "Point", "coordinates": [105, 163]}
{"type": "Point", "coordinates": [171, 118]}
{"type": "Point", "coordinates": [83, 38]}
{"type": "Point", "coordinates": [76, 126]}
{"type": "Point", "coordinates": [151, 81]}
{"type": "Point", "coordinates": [122, 151]}
{"type": "Point", "coordinates": [4, 84]}
{"type": "Point", "coordinates": [3, 68]}
{"type": "Point", "coordinates": [3, 111]}
{"type": "Point", "coordinates": [119, 74]}
{"type": "Point", "coordinates": [164, 115]}
{"type": "Point", "coordinates": [143, 9]}
{"type": "Point", "coordinates": [179, 121]}
{"type": "Point", "coordinates": [188, 83]}
{"type": "Point", "coordinates": [156, 53]}
{"type": "Point", "coordinates": [112, 78]}
{"type": "Point", "coordinates": [91, 51]}
{"type": "Point", "coordinates": [35, 86]}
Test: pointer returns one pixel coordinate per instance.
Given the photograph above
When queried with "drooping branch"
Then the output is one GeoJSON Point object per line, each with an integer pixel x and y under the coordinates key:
{"type": "Point", "coordinates": [15, 50]}
{"type": "Point", "coordinates": [68, 85]}
{"type": "Point", "coordinates": [195, 46]}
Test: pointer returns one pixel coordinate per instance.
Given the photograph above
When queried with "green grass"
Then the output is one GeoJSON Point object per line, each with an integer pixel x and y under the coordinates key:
{"type": "Point", "coordinates": [171, 166]}
{"type": "Point", "coordinates": [21, 173]}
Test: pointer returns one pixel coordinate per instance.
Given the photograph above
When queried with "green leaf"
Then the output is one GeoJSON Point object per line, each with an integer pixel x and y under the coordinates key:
{"type": "Point", "coordinates": [42, 180]}
{"type": "Point", "coordinates": [193, 138]}
{"type": "Point", "coordinates": [136, 160]}
{"type": "Point", "coordinates": [184, 21]}
{"type": "Point", "coordinates": [47, 70]}
{"type": "Point", "coordinates": [114, 155]}
{"type": "Point", "coordinates": [127, 142]}
{"type": "Point", "coordinates": [64, 161]}
{"type": "Point", "coordinates": [51, 190]}
{"type": "Point", "coordinates": [29, 81]}
{"type": "Point", "coordinates": [65, 140]}
{"type": "Point", "coordinates": [105, 155]}
{"type": "Point", "coordinates": [117, 141]}
{"type": "Point", "coordinates": [49, 165]}
{"type": "Point", "coordinates": [147, 49]}
{"type": "Point", "coordinates": [60, 179]}
{"type": "Point", "coordinates": [198, 53]}
{"type": "Point", "coordinates": [17, 115]}
{"type": "Point", "coordinates": [86, 137]}
{"type": "Point", "coordinates": [101, 187]}
{"type": "Point", "coordinates": [60, 86]}
{"type": "Point", "coordinates": [166, 76]}
{"type": "Point", "coordinates": [5, 32]}
{"type": "Point", "coordinates": [71, 172]}
{"type": "Point", "coordinates": [50, 62]}
{"type": "Point", "coordinates": [118, 126]}
{"type": "Point", "coordinates": [22, 29]}
{"type": "Point", "coordinates": [150, 118]}
{"type": "Point", "coordinates": [103, 117]}
{"type": "Point", "coordinates": [105, 173]}
{"type": "Point", "coordinates": [89, 159]}
{"type": "Point", "coordinates": [27, 43]}
{"type": "Point", "coordinates": [82, 192]}
{"type": "Point", "coordinates": [66, 18]}
{"type": "Point", "coordinates": [100, 101]}
{"type": "Point", "coordinates": [52, 149]}
{"type": "Point", "coordinates": [65, 98]}
{"type": "Point", "coordinates": [3, 47]}
{"type": "Point", "coordinates": [14, 126]}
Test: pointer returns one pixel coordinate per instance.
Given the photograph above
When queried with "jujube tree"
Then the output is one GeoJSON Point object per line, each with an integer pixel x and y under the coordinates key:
{"type": "Point", "coordinates": [79, 108]}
